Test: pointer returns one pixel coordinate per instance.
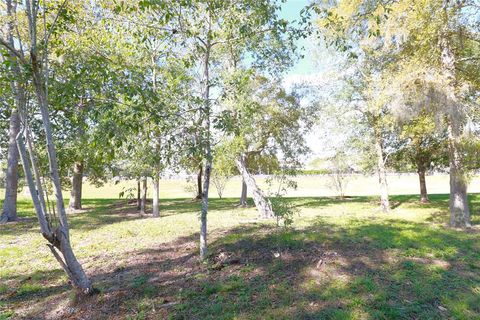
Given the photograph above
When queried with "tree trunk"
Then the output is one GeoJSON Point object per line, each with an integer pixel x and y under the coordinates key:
{"type": "Point", "coordinates": [423, 184]}
{"type": "Point", "coordinates": [261, 201]}
{"type": "Point", "coordinates": [382, 175]}
{"type": "Point", "coordinates": [208, 149]}
{"type": "Point", "coordinates": [62, 233]}
{"type": "Point", "coordinates": [59, 239]}
{"type": "Point", "coordinates": [459, 208]}
{"type": "Point", "coordinates": [199, 182]}
{"type": "Point", "coordinates": [62, 237]}
{"type": "Point", "coordinates": [156, 195]}
{"type": "Point", "coordinates": [139, 198]}
{"type": "Point", "coordinates": [143, 202]}
{"type": "Point", "coordinates": [76, 192]}
{"type": "Point", "coordinates": [243, 196]}
{"type": "Point", "coordinates": [9, 211]}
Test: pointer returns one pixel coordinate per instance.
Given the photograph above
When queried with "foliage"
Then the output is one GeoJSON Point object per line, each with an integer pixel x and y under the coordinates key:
{"type": "Point", "coordinates": [422, 146]}
{"type": "Point", "coordinates": [339, 173]}
{"type": "Point", "coordinates": [283, 209]}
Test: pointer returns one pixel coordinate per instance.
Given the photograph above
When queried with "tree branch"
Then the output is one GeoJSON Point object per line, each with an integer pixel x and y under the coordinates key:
{"type": "Point", "coordinates": [14, 51]}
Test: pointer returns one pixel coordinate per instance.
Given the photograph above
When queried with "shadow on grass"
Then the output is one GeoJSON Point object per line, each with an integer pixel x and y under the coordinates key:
{"type": "Point", "coordinates": [387, 270]}
{"type": "Point", "coordinates": [101, 212]}
{"type": "Point", "coordinates": [25, 289]}
{"type": "Point", "coordinates": [391, 269]}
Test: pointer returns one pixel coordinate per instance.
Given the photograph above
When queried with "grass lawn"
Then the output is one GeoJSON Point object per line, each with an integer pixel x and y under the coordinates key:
{"type": "Point", "coordinates": [340, 260]}
{"type": "Point", "coordinates": [308, 186]}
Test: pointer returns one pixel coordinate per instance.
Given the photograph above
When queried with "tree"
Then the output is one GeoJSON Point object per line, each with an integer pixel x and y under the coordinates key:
{"type": "Point", "coordinates": [261, 119]}
{"type": "Point", "coordinates": [436, 36]}
{"type": "Point", "coordinates": [224, 169]}
{"type": "Point", "coordinates": [339, 170]}
{"type": "Point", "coordinates": [9, 210]}
{"type": "Point", "coordinates": [57, 236]}
{"type": "Point", "coordinates": [423, 147]}
{"type": "Point", "coordinates": [208, 28]}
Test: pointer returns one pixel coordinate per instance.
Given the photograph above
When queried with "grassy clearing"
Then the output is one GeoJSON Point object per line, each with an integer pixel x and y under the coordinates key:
{"type": "Point", "coordinates": [341, 260]}
{"type": "Point", "coordinates": [308, 186]}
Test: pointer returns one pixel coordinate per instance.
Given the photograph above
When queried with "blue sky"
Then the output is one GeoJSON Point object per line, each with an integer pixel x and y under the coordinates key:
{"type": "Point", "coordinates": [308, 70]}
{"type": "Point", "coordinates": [291, 11]}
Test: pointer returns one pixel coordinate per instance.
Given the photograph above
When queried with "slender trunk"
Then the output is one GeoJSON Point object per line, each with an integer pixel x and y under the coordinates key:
{"type": "Point", "coordinates": [156, 195]}
{"type": "Point", "coordinates": [203, 217]}
{"type": "Point", "coordinates": [9, 211]}
{"type": "Point", "coordinates": [459, 208]}
{"type": "Point", "coordinates": [143, 202]}
{"type": "Point", "coordinates": [208, 150]}
{"type": "Point", "coordinates": [40, 209]}
{"type": "Point", "coordinates": [423, 184]}
{"type": "Point", "coordinates": [59, 239]}
{"type": "Point", "coordinates": [76, 192]}
{"type": "Point", "coordinates": [382, 175]}
{"type": "Point", "coordinates": [62, 233]}
{"type": "Point", "coordinates": [261, 201]}
{"type": "Point", "coordinates": [243, 196]}
{"type": "Point", "coordinates": [139, 200]}
{"type": "Point", "coordinates": [199, 182]}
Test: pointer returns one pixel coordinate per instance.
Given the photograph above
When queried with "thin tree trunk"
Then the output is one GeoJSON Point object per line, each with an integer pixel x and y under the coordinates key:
{"type": "Point", "coordinates": [156, 195]}
{"type": "Point", "coordinates": [199, 182]}
{"type": "Point", "coordinates": [59, 239]}
{"type": "Point", "coordinates": [9, 211]}
{"type": "Point", "coordinates": [62, 233]}
{"type": "Point", "coordinates": [208, 150]}
{"type": "Point", "coordinates": [261, 201]}
{"type": "Point", "coordinates": [459, 208]}
{"type": "Point", "coordinates": [40, 209]}
{"type": "Point", "coordinates": [382, 175]}
{"type": "Point", "coordinates": [243, 196]}
{"type": "Point", "coordinates": [143, 203]}
{"type": "Point", "coordinates": [139, 198]}
{"type": "Point", "coordinates": [423, 184]}
{"type": "Point", "coordinates": [76, 192]}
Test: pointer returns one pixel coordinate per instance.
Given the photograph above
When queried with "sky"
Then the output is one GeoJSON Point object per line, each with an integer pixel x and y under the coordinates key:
{"type": "Point", "coordinates": [306, 69]}
{"type": "Point", "coordinates": [291, 12]}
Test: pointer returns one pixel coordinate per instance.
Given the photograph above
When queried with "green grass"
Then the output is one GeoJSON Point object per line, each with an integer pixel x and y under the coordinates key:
{"type": "Point", "coordinates": [308, 186]}
{"type": "Point", "coordinates": [340, 260]}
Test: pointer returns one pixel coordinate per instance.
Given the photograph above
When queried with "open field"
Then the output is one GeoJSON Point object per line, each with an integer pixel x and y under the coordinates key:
{"type": "Point", "coordinates": [308, 186]}
{"type": "Point", "coordinates": [340, 260]}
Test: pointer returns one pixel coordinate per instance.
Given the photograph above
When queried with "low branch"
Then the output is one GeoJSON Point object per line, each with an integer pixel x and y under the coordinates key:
{"type": "Point", "coordinates": [12, 50]}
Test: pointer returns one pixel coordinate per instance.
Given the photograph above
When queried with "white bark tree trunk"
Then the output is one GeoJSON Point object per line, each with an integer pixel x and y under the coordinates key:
{"type": "Point", "coordinates": [382, 175]}
{"type": "Point", "coordinates": [156, 195]}
{"type": "Point", "coordinates": [9, 211]}
{"type": "Point", "coordinates": [60, 237]}
{"type": "Point", "coordinates": [243, 196]}
{"type": "Point", "coordinates": [143, 202]}
{"type": "Point", "coordinates": [261, 201]}
{"type": "Point", "coordinates": [459, 208]}
{"type": "Point", "coordinates": [208, 149]}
